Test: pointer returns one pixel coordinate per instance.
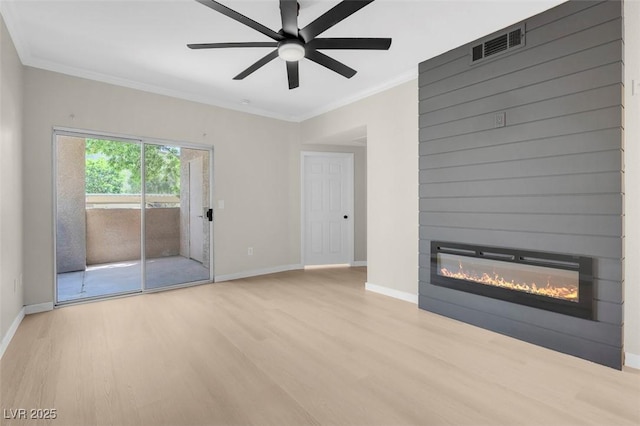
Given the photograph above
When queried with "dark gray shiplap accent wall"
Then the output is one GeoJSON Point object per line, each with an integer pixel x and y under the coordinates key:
{"type": "Point", "coordinates": [550, 180]}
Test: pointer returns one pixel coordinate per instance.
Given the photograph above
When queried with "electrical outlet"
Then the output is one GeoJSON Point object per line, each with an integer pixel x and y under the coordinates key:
{"type": "Point", "coordinates": [500, 119]}
{"type": "Point", "coordinates": [250, 251]}
{"type": "Point", "coordinates": [15, 285]}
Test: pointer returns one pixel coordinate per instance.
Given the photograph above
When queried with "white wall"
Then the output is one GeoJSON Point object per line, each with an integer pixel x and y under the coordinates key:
{"type": "Point", "coordinates": [252, 170]}
{"type": "Point", "coordinates": [11, 102]}
{"type": "Point", "coordinates": [632, 179]}
{"type": "Point", "coordinates": [391, 120]}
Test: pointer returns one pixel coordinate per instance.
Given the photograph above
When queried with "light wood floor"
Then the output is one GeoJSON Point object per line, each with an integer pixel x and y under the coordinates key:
{"type": "Point", "coordinates": [297, 348]}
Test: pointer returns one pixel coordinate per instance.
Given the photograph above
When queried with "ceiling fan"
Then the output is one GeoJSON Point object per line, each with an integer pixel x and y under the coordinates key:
{"type": "Point", "coordinates": [293, 44]}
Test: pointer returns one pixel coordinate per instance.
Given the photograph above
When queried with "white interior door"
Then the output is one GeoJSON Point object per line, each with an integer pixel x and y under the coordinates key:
{"type": "Point", "coordinates": [196, 212]}
{"type": "Point", "coordinates": [327, 208]}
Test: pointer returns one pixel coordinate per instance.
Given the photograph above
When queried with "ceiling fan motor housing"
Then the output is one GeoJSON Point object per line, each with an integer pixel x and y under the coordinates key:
{"type": "Point", "coordinates": [291, 50]}
{"type": "Point", "coordinates": [293, 44]}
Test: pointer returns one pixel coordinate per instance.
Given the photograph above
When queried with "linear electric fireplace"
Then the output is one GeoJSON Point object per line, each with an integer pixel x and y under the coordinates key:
{"type": "Point", "coordinates": [554, 282]}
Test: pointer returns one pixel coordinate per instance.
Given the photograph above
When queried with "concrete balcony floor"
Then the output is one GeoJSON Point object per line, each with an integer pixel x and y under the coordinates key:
{"type": "Point", "coordinates": [125, 277]}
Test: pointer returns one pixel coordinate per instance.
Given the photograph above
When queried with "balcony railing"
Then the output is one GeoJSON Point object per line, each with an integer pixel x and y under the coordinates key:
{"type": "Point", "coordinates": [132, 201]}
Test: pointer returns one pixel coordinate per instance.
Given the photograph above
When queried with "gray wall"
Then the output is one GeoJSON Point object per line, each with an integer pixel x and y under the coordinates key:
{"type": "Point", "coordinates": [550, 180]}
{"type": "Point", "coordinates": [11, 186]}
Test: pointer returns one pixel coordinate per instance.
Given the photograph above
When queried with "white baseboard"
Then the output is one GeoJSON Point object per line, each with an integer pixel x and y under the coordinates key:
{"type": "Point", "coordinates": [40, 307]}
{"type": "Point", "coordinates": [11, 332]}
{"type": "Point", "coordinates": [359, 263]}
{"type": "Point", "coordinates": [257, 272]}
{"type": "Point", "coordinates": [396, 294]}
{"type": "Point", "coordinates": [632, 360]}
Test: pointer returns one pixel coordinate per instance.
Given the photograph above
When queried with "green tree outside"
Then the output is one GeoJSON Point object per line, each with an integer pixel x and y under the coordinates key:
{"type": "Point", "coordinates": [101, 178]}
{"type": "Point", "coordinates": [115, 166]}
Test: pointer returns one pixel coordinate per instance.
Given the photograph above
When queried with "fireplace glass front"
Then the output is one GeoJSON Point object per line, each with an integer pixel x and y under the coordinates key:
{"type": "Point", "coordinates": [555, 282]}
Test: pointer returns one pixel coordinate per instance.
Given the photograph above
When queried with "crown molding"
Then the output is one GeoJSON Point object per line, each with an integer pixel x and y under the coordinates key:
{"type": "Point", "coordinates": [11, 21]}
{"type": "Point", "coordinates": [401, 79]}
{"type": "Point", "coordinates": [27, 59]}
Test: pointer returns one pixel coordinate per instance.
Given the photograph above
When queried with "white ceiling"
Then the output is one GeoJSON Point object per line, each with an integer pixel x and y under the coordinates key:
{"type": "Point", "coordinates": [142, 44]}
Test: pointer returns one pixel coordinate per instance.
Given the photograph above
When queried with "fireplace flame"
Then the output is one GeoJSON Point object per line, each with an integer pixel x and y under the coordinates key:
{"type": "Point", "coordinates": [569, 293]}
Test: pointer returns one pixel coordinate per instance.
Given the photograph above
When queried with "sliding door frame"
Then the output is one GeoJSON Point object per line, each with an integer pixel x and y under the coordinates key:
{"type": "Point", "coordinates": [209, 149]}
{"type": "Point", "coordinates": [142, 142]}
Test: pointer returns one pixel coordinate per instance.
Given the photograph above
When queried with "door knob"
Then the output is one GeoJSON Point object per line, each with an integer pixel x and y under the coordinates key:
{"type": "Point", "coordinates": [346, 217]}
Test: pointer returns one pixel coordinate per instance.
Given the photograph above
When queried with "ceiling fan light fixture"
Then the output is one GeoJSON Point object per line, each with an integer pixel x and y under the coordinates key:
{"type": "Point", "coordinates": [293, 44]}
{"type": "Point", "coordinates": [291, 50]}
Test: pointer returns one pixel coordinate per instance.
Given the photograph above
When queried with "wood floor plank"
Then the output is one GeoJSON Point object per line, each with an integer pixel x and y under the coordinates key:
{"type": "Point", "coordinates": [295, 348]}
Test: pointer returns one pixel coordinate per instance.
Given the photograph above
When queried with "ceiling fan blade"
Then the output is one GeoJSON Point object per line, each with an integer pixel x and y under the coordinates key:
{"type": "Point", "coordinates": [332, 64]}
{"type": "Point", "coordinates": [350, 43]}
{"type": "Point", "coordinates": [223, 45]}
{"type": "Point", "coordinates": [293, 74]}
{"type": "Point", "coordinates": [260, 63]}
{"type": "Point", "coordinates": [289, 15]}
{"type": "Point", "coordinates": [218, 7]}
{"type": "Point", "coordinates": [334, 15]}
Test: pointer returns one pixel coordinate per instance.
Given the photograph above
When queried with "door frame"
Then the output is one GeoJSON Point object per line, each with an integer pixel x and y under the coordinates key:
{"type": "Point", "coordinates": [190, 209]}
{"type": "Point", "coordinates": [349, 156]}
{"type": "Point", "coordinates": [83, 133]}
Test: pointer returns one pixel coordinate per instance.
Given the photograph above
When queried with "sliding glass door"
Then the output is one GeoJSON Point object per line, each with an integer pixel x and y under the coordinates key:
{"type": "Point", "coordinates": [176, 228]}
{"type": "Point", "coordinates": [131, 216]}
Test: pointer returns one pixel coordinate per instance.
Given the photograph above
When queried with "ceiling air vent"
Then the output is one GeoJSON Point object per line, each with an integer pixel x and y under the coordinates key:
{"type": "Point", "coordinates": [504, 42]}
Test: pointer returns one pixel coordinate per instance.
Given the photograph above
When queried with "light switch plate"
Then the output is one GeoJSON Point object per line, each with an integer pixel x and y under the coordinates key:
{"type": "Point", "coordinates": [220, 204]}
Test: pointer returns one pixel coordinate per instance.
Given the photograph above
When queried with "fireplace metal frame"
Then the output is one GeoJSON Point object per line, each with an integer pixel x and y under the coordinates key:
{"type": "Point", "coordinates": [583, 265]}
